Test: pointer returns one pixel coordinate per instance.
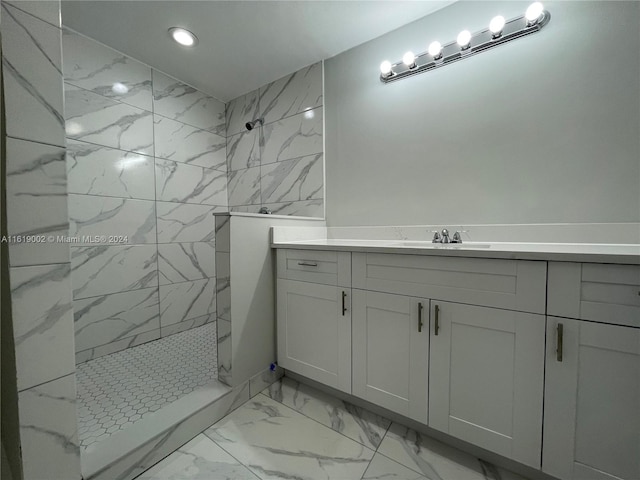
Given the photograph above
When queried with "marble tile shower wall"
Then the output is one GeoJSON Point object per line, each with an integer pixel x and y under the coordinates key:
{"type": "Point", "coordinates": [36, 206]}
{"type": "Point", "coordinates": [281, 164]}
{"type": "Point", "coordinates": [146, 162]}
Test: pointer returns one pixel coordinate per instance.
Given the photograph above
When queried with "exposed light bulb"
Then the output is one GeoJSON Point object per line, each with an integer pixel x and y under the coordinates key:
{"type": "Point", "coordinates": [496, 25]}
{"type": "Point", "coordinates": [409, 59]}
{"type": "Point", "coordinates": [385, 68]}
{"type": "Point", "coordinates": [309, 114]}
{"type": "Point", "coordinates": [435, 49]}
{"type": "Point", "coordinates": [119, 88]}
{"type": "Point", "coordinates": [464, 39]}
{"type": "Point", "coordinates": [533, 13]}
{"type": "Point", "coordinates": [183, 37]}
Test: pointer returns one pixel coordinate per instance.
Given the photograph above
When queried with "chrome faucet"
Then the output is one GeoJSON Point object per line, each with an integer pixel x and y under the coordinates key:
{"type": "Point", "coordinates": [443, 237]}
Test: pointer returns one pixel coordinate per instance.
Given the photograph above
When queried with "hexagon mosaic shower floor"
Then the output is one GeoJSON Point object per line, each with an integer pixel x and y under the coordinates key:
{"type": "Point", "coordinates": [119, 389]}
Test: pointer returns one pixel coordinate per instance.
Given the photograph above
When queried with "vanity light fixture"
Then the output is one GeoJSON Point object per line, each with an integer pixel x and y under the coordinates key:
{"type": "Point", "coordinates": [183, 37]}
{"type": "Point", "coordinates": [500, 31]}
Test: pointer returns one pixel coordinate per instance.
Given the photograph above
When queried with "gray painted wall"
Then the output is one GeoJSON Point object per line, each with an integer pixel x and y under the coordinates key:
{"type": "Point", "coordinates": [541, 130]}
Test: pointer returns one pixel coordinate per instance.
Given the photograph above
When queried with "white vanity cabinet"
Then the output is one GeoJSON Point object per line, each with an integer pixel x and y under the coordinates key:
{"type": "Point", "coordinates": [592, 380]}
{"type": "Point", "coordinates": [314, 315]}
{"type": "Point", "coordinates": [486, 376]}
{"type": "Point", "coordinates": [391, 352]}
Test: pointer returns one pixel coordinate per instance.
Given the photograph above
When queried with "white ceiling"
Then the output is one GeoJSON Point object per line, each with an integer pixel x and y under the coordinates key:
{"type": "Point", "coordinates": [242, 44]}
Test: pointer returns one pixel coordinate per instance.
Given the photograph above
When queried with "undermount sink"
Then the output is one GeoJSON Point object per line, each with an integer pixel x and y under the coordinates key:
{"type": "Point", "coordinates": [422, 244]}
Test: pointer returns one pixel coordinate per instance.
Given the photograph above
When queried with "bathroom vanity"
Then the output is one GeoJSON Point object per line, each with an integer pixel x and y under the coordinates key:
{"type": "Point", "coordinates": [531, 352]}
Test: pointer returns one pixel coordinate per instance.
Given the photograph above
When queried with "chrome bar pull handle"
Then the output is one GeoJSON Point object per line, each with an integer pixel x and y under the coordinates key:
{"type": "Point", "coordinates": [308, 264]}
{"type": "Point", "coordinates": [420, 316]}
{"type": "Point", "coordinates": [436, 323]}
{"type": "Point", "coordinates": [559, 335]}
{"type": "Point", "coordinates": [344, 304]}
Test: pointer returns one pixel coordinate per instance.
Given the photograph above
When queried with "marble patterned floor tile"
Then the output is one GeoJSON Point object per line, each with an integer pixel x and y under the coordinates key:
{"type": "Point", "coordinates": [109, 318]}
{"type": "Point", "coordinates": [292, 94]}
{"type": "Point", "coordinates": [47, 10]}
{"type": "Point", "coordinates": [182, 222]}
{"type": "Point", "coordinates": [32, 65]}
{"type": "Point", "coordinates": [293, 180]}
{"type": "Point", "coordinates": [351, 421]}
{"type": "Point", "coordinates": [121, 221]}
{"type": "Point", "coordinates": [430, 457]}
{"type": "Point", "coordinates": [277, 442]}
{"type": "Point", "coordinates": [117, 346]}
{"type": "Point", "coordinates": [48, 431]}
{"type": "Point", "coordinates": [97, 170]}
{"type": "Point", "coordinates": [183, 183]}
{"type": "Point", "coordinates": [243, 150]}
{"type": "Point", "coordinates": [187, 300]}
{"type": "Point", "coordinates": [36, 201]}
{"type": "Point", "coordinates": [179, 262]}
{"type": "Point", "coordinates": [305, 208]}
{"type": "Point", "coordinates": [181, 102]}
{"type": "Point", "coordinates": [96, 119]}
{"type": "Point", "coordinates": [292, 137]}
{"type": "Point", "coordinates": [104, 269]}
{"type": "Point", "coordinates": [240, 111]}
{"type": "Point", "coordinates": [383, 468]}
{"type": "Point", "coordinates": [183, 143]}
{"type": "Point", "coordinates": [42, 323]}
{"type": "Point", "coordinates": [244, 187]}
{"type": "Point", "coordinates": [95, 67]}
{"type": "Point", "coordinates": [199, 459]}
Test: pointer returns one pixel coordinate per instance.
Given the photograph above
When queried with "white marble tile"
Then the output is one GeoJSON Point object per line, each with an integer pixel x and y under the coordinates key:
{"type": "Point", "coordinates": [224, 352]}
{"type": "Point", "coordinates": [240, 111]}
{"type": "Point", "coordinates": [243, 150]}
{"type": "Point", "coordinates": [96, 170]}
{"type": "Point", "coordinates": [92, 66]}
{"type": "Point", "coordinates": [244, 187]}
{"type": "Point", "coordinates": [383, 468]}
{"type": "Point", "coordinates": [32, 66]}
{"type": "Point", "coordinates": [183, 183]}
{"type": "Point", "coordinates": [292, 94]}
{"type": "Point", "coordinates": [96, 119]}
{"type": "Point", "coordinates": [199, 459]}
{"type": "Point", "coordinates": [351, 421]}
{"type": "Point", "coordinates": [181, 222]}
{"type": "Point", "coordinates": [109, 318]}
{"type": "Point", "coordinates": [105, 269]}
{"type": "Point", "coordinates": [42, 323]}
{"type": "Point", "coordinates": [277, 442]}
{"type": "Point", "coordinates": [223, 285]}
{"type": "Point", "coordinates": [120, 221]}
{"type": "Point", "coordinates": [429, 456]}
{"type": "Point", "coordinates": [179, 262]}
{"type": "Point", "coordinates": [109, 348]}
{"type": "Point", "coordinates": [47, 10]}
{"type": "Point", "coordinates": [223, 233]}
{"type": "Point", "coordinates": [305, 208]}
{"type": "Point", "coordinates": [189, 324]}
{"type": "Point", "coordinates": [187, 300]}
{"type": "Point", "coordinates": [183, 143]}
{"type": "Point", "coordinates": [264, 379]}
{"type": "Point", "coordinates": [293, 137]}
{"type": "Point", "coordinates": [36, 202]}
{"type": "Point", "coordinates": [293, 180]}
{"type": "Point", "coordinates": [176, 100]}
{"type": "Point", "coordinates": [48, 431]}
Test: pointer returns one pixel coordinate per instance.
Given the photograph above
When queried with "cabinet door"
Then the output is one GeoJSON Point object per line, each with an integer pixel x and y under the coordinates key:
{"type": "Point", "coordinates": [391, 352]}
{"type": "Point", "coordinates": [592, 401]}
{"type": "Point", "coordinates": [486, 378]}
{"type": "Point", "coordinates": [314, 332]}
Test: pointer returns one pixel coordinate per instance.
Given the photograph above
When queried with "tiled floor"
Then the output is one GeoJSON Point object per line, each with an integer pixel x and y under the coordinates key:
{"type": "Point", "coordinates": [291, 431]}
{"type": "Point", "coordinates": [117, 390]}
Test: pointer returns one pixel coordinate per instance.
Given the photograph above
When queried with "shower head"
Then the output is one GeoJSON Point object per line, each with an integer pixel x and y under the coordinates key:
{"type": "Point", "coordinates": [251, 125]}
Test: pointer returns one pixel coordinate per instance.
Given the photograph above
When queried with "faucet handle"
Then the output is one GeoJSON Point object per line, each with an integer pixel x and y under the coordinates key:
{"type": "Point", "coordinates": [457, 237]}
{"type": "Point", "coordinates": [436, 237]}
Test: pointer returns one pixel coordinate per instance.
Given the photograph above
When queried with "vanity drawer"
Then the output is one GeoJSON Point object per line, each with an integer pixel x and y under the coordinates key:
{"type": "Point", "coordinates": [593, 291]}
{"type": "Point", "coordinates": [315, 266]}
{"type": "Point", "coordinates": [508, 284]}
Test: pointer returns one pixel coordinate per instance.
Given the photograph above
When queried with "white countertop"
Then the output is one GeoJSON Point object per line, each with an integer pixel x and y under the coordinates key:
{"type": "Point", "coordinates": [568, 252]}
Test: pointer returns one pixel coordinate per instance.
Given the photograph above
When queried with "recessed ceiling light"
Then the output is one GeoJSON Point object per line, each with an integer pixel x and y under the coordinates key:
{"type": "Point", "coordinates": [183, 37]}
